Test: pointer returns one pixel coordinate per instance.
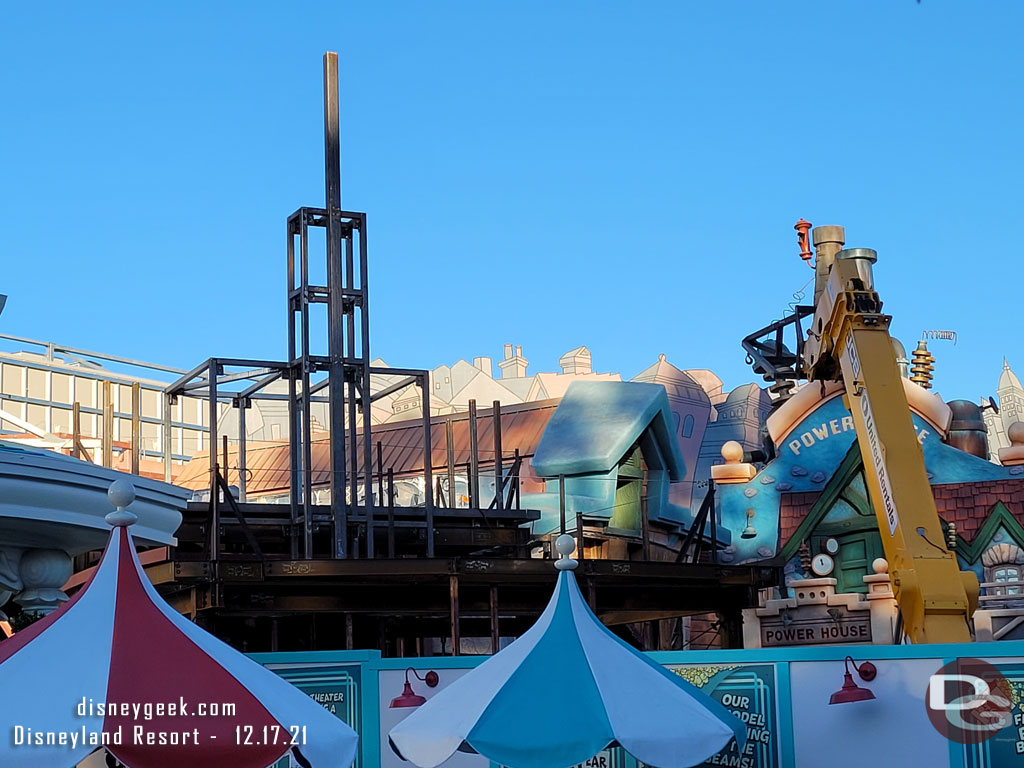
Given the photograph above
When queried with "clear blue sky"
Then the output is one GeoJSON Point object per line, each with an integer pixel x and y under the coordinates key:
{"type": "Point", "coordinates": [621, 175]}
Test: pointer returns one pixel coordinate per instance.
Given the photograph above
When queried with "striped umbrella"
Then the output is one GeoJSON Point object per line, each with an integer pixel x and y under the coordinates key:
{"type": "Point", "coordinates": [563, 692]}
{"type": "Point", "coordinates": [117, 668]}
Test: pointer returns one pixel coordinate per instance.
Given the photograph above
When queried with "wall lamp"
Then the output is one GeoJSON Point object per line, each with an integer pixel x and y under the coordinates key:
{"type": "Point", "coordinates": [850, 690]}
{"type": "Point", "coordinates": [408, 697]}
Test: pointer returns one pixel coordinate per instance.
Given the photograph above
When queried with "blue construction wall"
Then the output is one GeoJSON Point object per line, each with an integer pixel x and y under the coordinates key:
{"type": "Point", "coordinates": [782, 694]}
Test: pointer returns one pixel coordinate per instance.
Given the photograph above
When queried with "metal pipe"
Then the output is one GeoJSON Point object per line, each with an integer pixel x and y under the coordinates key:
{"type": "Point", "coordinates": [136, 425]}
{"type": "Point", "coordinates": [335, 307]}
{"type": "Point", "coordinates": [498, 478]}
{"type": "Point", "coordinates": [391, 512]}
{"type": "Point", "coordinates": [449, 436]}
{"type": "Point", "coordinates": [453, 592]}
{"type": "Point", "coordinates": [495, 633]}
{"type": "Point", "coordinates": [306, 438]}
{"type": "Point", "coordinates": [166, 437]}
{"type": "Point", "coordinates": [108, 427]}
{"type": "Point", "coordinates": [561, 502]}
{"type": "Point", "coordinates": [242, 472]}
{"type": "Point", "coordinates": [214, 470]}
{"type": "Point", "coordinates": [474, 459]}
{"type": "Point", "coordinates": [428, 461]}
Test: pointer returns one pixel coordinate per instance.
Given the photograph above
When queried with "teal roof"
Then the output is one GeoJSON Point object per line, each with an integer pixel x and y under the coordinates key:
{"type": "Point", "coordinates": [596, 424]}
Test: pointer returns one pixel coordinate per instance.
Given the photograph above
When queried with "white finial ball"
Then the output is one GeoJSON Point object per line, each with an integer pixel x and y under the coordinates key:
{"type": "Point", "coordinates": [121, 493]}
{"type": "Point", "coordinates": [565, 545]}
{"type": "Point", "coordinates": [1016, 433]}
{"type": "Point", "coordinates": [732, 452]}
{"type": "Point", "coordinates": [880, 565]}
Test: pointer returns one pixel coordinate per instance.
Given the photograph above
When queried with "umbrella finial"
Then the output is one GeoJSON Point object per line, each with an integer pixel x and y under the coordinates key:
{"type": "Point", "coordinates": [566, 545]}
{"type": "Point", "coordinates": [121, 494]}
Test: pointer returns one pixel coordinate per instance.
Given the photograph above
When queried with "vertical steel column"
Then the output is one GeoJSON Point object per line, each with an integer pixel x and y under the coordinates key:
{"type": "Point", "coordinates": [474, 459]}
{"type": "Point", "coordinates": [294, 479]}
{"type": "Point", "coordinates": [241, 450]}
{"type": "Point", "coordinates": [364, 384]}
{"type": "Point", "coordinates": [561, 502]}
{"type": "Point", "coordinates": [166, 438]}
{"type": "Point", "coordinates": [449, 437]}
{"type": "Point", "coordinates": [498, 504]}
{"type": "Point", "coordinates": [380, 475]}
{"type": "Point", "coordinates": [428, 463]}
{"type": "Point", "coordinates": [453, 593]}
{"type": "Point", "coordinates": [307, 418]}
{"type": "Point", "coordinates": [136, 425]}
{"type": "Point", "coordinates": [335, 306]}
{"type": "Point", "coordinates": [352, 384]}
{"type": "Point", "coordinates": [579, 535]}
{"type": "Point", "coordinates": [495, 633]}
{"type": "Point", "coordinates": [391, 512]}
{"type": "Point", "coordinates": [76, 430]}
{"type": "Point", "coordinates": [108, 426]}
{"type": "Point", "coordinates": [214, 469]}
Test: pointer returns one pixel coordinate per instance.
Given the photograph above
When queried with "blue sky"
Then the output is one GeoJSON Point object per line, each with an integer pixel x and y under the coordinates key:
{"type": "Point", "coordinates": [621, 175]}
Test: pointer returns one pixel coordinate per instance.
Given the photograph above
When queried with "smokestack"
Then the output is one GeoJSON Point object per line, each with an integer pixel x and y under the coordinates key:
{"type": "Point", "coordinates": [828, 241]}
{"type": "Point", "coordinates": [514, 365]}
{"type": "Point", "coordinates": [484, 364]}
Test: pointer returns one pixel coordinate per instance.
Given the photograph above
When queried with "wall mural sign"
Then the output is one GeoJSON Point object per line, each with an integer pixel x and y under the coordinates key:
{"type": "Point", "coordinates": [749, 692]}
{"type": "Point", "coordinates": [334, 686]}
{"type": "Point", "coordinates": [1006, 747]}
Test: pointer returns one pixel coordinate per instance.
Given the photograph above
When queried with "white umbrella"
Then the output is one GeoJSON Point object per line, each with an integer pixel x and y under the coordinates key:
{"type": "Point", "coordinates": [564, 691]}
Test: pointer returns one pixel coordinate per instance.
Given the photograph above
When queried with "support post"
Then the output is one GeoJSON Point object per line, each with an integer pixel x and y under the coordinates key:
{"type": "Point", "coordinates": [391, 513]}
{"type": "Point", "coordinates": [167, 438]}
{"type": "Point", "coordinates": [645, 529]}
{"type": "Point", "coordinates": [335, 308]}
{"type": "Point", "coordinates": [498, 478]}
{"type": "Point", "coordinates": [474, 459]}
{"type": "Point", "coordinates": [579, 536]}
{"type": "Point", "coordinates": [136, 425]}
{"type": "Point", "coordinates": [214, 470]}
{"type": "Point", "coordinates": [380, 475]}
{"type": "Point", "coordinates": [108, 426]}
{"type": "Point", "coordinates": [453, 591]}
{"type": "Point", "coordinates": [495, 628]}
{"type": "Point", "coordinates": [364, 388]}
{"type": "Point", "coordinates": [76, 430]}
{"type": "Point", "coordinates": [561, 503]}
{"type": "Point", "coordinates": [449, 436]}
{"type": "Point", "coordinates": [428, 458]}
{"type": "Point", "coordinates": [242, 472]}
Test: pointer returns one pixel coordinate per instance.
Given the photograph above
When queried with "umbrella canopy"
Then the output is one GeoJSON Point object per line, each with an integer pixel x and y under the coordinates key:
{"type": "Point", "coordinates": [561, 693]}
{"type": "Point", "coordinates": [118, 667]}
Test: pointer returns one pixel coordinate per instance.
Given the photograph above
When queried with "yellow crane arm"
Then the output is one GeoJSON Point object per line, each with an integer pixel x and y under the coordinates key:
{"type": "Point", "coordinates": [849, 341]}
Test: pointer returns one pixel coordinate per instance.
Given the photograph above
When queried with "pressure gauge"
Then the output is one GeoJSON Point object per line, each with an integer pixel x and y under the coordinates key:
{"type": "Point", "coordinates": [831, 546]}
{"type": "Point", "coordinates": [822, 565]}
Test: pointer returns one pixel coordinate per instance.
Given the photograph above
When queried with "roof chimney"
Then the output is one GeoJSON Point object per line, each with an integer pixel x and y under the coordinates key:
{"type": "Point", "coordinates": [484, 364]}
{"type": "Point", "coordinates": [514, 365]}
{"type": "Point", "coordinates": [576, 361]}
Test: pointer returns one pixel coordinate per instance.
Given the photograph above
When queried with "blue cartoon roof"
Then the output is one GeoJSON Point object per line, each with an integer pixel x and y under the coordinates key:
{"type": "Point", "coordinates": [596, 423]}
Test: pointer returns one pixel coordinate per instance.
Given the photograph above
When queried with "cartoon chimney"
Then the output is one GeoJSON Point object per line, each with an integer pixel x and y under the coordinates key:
{"type": "Point", "coordinates": [514, 365]}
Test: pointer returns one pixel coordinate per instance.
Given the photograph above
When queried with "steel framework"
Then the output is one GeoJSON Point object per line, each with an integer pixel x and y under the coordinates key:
{"type": "Point", "coordinates": [342, 372]}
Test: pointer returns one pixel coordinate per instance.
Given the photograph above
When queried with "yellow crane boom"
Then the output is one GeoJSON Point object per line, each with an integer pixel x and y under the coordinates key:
{"type": "Point", "coordinates": [849, 341]}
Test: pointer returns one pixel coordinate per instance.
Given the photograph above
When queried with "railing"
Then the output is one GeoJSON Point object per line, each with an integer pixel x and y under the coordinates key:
{"type": "Point", "coordinates": [991, 600]}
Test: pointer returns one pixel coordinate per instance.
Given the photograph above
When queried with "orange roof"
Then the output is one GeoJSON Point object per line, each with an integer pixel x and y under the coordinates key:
{"type": "Point", "coordinates": [401, 448]}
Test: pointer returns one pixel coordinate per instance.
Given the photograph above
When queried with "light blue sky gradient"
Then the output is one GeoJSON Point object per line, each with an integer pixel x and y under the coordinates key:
{"type": "Point", "coordinates": [621, 175]}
